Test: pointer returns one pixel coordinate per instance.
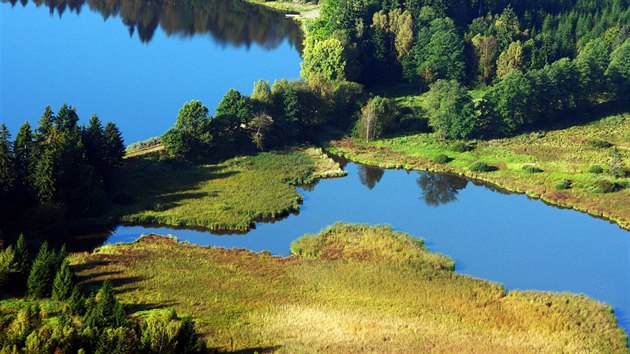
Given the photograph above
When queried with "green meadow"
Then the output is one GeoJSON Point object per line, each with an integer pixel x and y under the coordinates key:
{"type": "Point", "coordinates": [350, 288]}
{"type": "Point", "coordinates": [231, 195]}
{"type": "Point", "coordinates": [568, 167]}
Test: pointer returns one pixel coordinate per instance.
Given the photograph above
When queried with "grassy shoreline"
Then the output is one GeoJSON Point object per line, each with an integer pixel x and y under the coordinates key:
{"type": "Point", "coordinates": [229, 196]}
{"type": "Point", "coordinates": [351, 288]}
{"type": "Point", "coordinates": [561, 154]}
{"type": "Point", "coordinates": [305, 10]}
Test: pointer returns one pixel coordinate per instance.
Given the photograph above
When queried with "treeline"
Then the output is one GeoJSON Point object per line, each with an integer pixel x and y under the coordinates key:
{"type": "Point", "coordinates": [533, 62]}
{"type": "Point", "coordinates": [57, 316]}
{"type": "Point", "coordinates": [272, 117]}
{"type": "Point", "coordinates": [57, 169]}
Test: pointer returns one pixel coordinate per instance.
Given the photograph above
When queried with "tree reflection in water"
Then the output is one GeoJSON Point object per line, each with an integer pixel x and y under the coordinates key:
{"type": "Point", "coordinates": [440, 188]}
{"type": "Point", "coordinates": [229, 22]}
{"type": "Point", "coordinates": [370, 176]}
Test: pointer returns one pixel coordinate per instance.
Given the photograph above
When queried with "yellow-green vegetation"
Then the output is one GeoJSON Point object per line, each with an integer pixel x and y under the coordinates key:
{"type": "Point", "coordinates": [231, 195]}
{"type": "Point", "coordinates": [351, 288]}
{"type": "Point", "coordinates": [307, 10]}
{"type": "Point", "coordinates": [556, 166]}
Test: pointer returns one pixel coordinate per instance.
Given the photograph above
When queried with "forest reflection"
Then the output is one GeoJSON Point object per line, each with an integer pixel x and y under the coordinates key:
{"type": "Point", "coordinates": [438, 189]}
{"type": "Point", "coordinates": [228, 22]}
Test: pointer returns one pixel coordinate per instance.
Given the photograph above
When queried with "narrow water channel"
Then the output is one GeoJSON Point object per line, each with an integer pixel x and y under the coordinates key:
{"type": "Point", "coordinates": [506, 238]}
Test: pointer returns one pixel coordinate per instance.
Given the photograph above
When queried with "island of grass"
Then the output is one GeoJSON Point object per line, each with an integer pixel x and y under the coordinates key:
{"type": "Point", "coordinates": [568, 167]}
{"type": "Point", "coordinates": [351, 288]}
{"type": "Point", "coordinates": [231, 195]}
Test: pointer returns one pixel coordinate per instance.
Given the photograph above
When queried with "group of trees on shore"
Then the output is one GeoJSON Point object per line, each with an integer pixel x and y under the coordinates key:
{"type": "Point", "coordinates": [536, 62]}
{"type": "Point", "coordinates": [57, 316]}
{"type": "Point", "coordinates": [274, 116]}
{"type": "Point", "coordinates": [59, 168]}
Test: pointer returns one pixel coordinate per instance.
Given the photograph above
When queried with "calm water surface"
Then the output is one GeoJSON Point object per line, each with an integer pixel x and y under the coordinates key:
{"type": "Point", "coordinates": [136, 63]}
{"type": "Point", "coordinates": [507, 238]}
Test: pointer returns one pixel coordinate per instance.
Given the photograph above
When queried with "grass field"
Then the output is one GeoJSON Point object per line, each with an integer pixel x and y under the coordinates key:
{"type": "Point", "coordinates": [558, 156]}
{"type": "Point", "coordinates": [228, 196]}
{"type": "Point", "coordinates": [352, 288]}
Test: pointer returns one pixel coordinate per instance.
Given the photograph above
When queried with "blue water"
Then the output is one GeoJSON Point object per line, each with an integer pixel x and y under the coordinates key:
{"type": "Point", "coordinates": [96, 65]}
{"type": "Point", "coordinates": [506, 238]}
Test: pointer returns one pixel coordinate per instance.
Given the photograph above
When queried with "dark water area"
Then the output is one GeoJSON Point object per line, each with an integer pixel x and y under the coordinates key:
{"type": "Point", "coordinates": [507, 238]}
{"type": "Point", "coordinates": [136, 62]}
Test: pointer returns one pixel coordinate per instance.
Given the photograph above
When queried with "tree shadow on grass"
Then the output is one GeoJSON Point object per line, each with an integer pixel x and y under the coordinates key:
{"type": "Point", "coordinates": [155, 185]}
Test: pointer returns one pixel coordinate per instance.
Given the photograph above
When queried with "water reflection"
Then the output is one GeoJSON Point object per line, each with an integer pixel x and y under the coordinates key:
{"type": "Point", "coordinates": [440, 189]}
{"type": "Point", "coordinates": [232, 22]}
{"type": "Point", "coordinates": [370, 176]}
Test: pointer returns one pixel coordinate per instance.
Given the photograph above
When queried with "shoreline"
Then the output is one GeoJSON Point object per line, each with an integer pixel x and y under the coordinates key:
{"type": "Point", "coordinates": [418, 165]}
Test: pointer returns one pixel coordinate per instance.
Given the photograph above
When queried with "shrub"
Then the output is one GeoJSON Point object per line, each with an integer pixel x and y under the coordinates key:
{"type": "Point", "coordinates": [532, 169]}
{"type": "Point", "coordinates": [600, 144]}
{"type": "Point", "coordinates": [596, 169]}
{"type": "Point", "coordinates": [441, 159]}
{"type": "Point", "coordinates": [603, 186]}
{"type": "Point", "coordinates": [460, 146]}
{"type": "Point", "coordinates": [562, 185]}
{"type": "Point", "coordinates": [482, 167]}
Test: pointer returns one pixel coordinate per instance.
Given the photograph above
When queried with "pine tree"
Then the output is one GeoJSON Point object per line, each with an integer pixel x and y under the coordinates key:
{"type": "Point", "coordinates": [21, 257]}
{"type": "Point", "coordinates": [94, 142]}
{"type": "Point", "coordinates": [76, 302]}
{"type": "Point", "coordinates": [63, 284]}
{"type": "Point", "coordinates": [115, 150]}
{"type": "Point", "coordinates": [44, 126]}
{"type": "Point", "coordinates": [40, 279]}
{"type": "Point", "coordinates": [188, 340]}
{"type": "Point", "coordinates": [7, 168]}
{"type": "Point", "coordinates": [23, 149]}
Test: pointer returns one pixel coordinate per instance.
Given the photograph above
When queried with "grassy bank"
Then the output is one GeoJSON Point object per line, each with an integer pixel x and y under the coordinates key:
{"type": "Point", "coordinates": [228, 196]}
{"type": "Point", "coordinates": [307, 10]}
{"type": "Point", "coordinates": [351, 288]}
{"type": "Point", "coordinates": [565, 156]}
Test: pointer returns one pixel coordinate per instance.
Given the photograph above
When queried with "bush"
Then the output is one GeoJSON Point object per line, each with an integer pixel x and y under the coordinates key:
{"type": "Point", "coordinates": [600, 144]}
{"type": "Point", "coordinates": [532, 169]}
{"type": "Point", "coordinates": [441, 159]}
{"type": "Point", "coordinates": [562, 185]}
{"type": "Point", "coordinates": [482, 167]}
{"type": "Point", "coordinates": [460, 146]}
{"type": "Point", "coordinates": [603, 186]}
{"type": "Point", "coordinates": [596, 169]}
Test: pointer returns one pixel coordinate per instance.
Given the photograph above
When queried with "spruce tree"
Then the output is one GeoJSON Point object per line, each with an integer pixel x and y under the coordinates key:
{"type": "Point", "coordinates": [23, 150]}
{"type": "Point", "coordinates": [7, 168]}
{"type": "Point", "coordinates": [76, 302]}
{"type": "Point", "coordinates": [39, 283]}
{"type": "Point", "coordinates": [44, 126]}
{"type": "Point", "coordinates": [21, 257]}
{"type": "Point", "coordinates": [63, 284]}
{"type": "Point", "coordinates": [115, 146]}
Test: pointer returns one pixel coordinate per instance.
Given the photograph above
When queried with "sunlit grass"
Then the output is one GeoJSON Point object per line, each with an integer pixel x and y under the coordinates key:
{"type": "Point", "coordinates": [231, 195]}
{"type": "Point", "coordinates": [563, 154]}
{"type": "Point", "coordinates": [359, 289]}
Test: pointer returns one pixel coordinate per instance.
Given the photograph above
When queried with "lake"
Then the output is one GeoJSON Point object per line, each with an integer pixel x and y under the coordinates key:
{"type": "Point", "coordinates": [136, 65]}
{"type": "Point", "coordinates": [507, 238]}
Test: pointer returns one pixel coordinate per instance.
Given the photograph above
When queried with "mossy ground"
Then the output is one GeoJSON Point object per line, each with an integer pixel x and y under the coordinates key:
{"type": "Point", "coordinates": [563, 154]}
{"type": "Point", "coordinates": [352, 288]}
{"type": "Point", "coordinates": [231, 195]}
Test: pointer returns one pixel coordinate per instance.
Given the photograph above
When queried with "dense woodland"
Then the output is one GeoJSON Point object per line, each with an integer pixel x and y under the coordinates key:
{"type": "Point", "coordinates": [57, 170]}
{"type": "Point", "coordinates": [529, 64]}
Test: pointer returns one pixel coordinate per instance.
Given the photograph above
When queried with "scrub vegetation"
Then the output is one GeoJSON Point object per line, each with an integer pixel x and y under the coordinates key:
{"type": "Point", "coordinates": [229, 195]}
{"type": "Point", "coordinates": [350, 288]}
{"type": "Point", "coordinates": [556, 166]}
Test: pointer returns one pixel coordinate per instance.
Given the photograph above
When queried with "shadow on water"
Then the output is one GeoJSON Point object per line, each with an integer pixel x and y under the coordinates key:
{"type": "Point", "coordinates": [229, 22]}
